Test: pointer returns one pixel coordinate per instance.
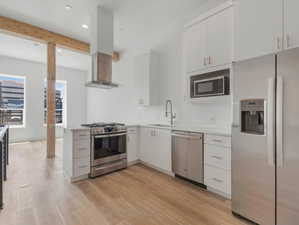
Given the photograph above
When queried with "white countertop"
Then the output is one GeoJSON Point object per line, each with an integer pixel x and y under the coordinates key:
{"type": "Point", "coordinates": [223, 131]}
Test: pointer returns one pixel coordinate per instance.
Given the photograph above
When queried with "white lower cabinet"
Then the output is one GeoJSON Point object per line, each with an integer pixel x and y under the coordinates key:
{"type": "Point", "coordinates": [132, 144]}
{"type": "Point", "coordinates": [76, 154]}
{"type": "Point", "coordinates": [217, 164]}
{"type": "Point", "coordinates": [155, 148]}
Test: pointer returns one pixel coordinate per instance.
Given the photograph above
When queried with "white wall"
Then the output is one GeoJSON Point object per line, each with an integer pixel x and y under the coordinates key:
{"type": "Point", "coordinates": [35, 74]}
{"type": "Point", "coordinates": [119, 104]}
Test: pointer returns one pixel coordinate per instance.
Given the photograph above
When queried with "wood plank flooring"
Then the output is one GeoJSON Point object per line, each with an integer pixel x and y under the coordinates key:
{"type": "Point", "coordinates": [36, 193]}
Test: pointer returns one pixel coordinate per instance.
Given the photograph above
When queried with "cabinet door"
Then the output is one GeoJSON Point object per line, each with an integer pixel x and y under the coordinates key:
{"type": "Point", "coordinates": [291, 23]}
{"type": "Point", "coordinates": [145, 144]}
{"type": "Point", "coordinates": [162, 150]}
{"type": "Point", "coordinates": [219, 38]}
{"type": "Point", "coordinates": [194, 45]}
{"type": "Point", "coordinates": [132, 147]}
{"type": "Point", "coordinates": [258, 28]}
{"type": "Point", "coordinates": [141, 72]}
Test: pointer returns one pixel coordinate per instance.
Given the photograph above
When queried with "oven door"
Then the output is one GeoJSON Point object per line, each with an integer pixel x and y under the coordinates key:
{"type": "Point", "coordinates": [208, 87]}
{"type": "Point", "coordinates": [107, 148]}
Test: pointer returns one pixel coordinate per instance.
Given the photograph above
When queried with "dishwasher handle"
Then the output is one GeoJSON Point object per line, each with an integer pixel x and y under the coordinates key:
{"type": "Point", "coordinates": [194, 137]}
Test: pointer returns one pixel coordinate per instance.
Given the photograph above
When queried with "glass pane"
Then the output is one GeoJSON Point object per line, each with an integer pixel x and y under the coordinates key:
{"type": "Point", "coordinates": [11, 100]}
{"type": "Point", "coordinates": [60, 102]}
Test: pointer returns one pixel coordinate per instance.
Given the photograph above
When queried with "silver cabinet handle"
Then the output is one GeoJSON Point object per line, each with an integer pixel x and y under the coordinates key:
{"type": "Point", "coordinates": [288, 41]}
{"type": "Point", "coordinates": [218, 180]}
{"type": "Point", "coordinates": [217, 157]}
{"type": "Point", "coordinates": [82, 149]}
{"type": "Point", "coordinates": [279, 119]}
{"type": "Point", "coordinates": [82, 167]}
{"type": "Point", "coordinates": [278, 44]}
{"type": "Point", "coordinates": [269, 126]}
{"type": "Point", "coordinates": [210, 60]}
{"type": "Point", "coordinates": [217, 140]}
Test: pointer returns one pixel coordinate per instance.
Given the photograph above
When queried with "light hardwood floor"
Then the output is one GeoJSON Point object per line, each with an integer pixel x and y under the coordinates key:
{"type": "Point", "coordinates": [36, 193]}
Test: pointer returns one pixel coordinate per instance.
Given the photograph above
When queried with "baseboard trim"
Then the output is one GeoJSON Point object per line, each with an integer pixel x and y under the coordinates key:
{"type": "Point", "coordinates": [225, 195]}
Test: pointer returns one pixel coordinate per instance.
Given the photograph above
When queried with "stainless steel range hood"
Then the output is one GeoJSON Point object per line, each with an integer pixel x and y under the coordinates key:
{"type": "Point", "coordinates": [101, 49]}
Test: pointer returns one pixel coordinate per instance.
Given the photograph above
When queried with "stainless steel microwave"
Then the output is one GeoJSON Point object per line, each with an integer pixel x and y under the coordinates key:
{"type": "Point", "coordinates": [210, 84]}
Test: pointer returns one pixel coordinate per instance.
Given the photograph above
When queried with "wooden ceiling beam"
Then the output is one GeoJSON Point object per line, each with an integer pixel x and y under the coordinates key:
{"type": "Point", "coordinates": [39, 34]}
{"type": "Point", "coordinates": [35, 33]}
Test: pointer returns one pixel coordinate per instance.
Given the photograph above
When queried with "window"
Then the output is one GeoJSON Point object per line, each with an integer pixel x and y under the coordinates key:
{"type": "Point", "coordinates": [12, 100]}
{"type": "Point", "coordinates": [60, 103]}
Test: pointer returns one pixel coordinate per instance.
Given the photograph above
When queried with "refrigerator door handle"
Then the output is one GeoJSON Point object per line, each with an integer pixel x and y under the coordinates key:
{"type": "Point", "coordinates": [279, 121]}
{"type": "Point", "coordinates": [270, 112]}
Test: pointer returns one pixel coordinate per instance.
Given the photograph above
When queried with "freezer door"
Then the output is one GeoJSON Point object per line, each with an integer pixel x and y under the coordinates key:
{"type": "Point", "coordinates": [288, 138]}
{"type": "Point", "coordinates": [253, 166]}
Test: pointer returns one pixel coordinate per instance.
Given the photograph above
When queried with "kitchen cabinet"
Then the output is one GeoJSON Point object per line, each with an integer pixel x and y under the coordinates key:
{"type": "Point", "coordinates": [76, 154]}
{"type": "Point", "coordinates": [132, 144]}
{"type": "Point", "coordinates": [259, 27]}
{"type": "Point", "coordinates": [220, 38]}
{"type": "Point", "coordinates": [208, 41]}
{"type": "Point", "coordinates": [217, 164]}
{"type": "Point", "coordinates": [155, 148]}
{"type": "Point", "coordinates": [195, 47]}
{"type": "Point", "coordinates": [147, 79]}
{"type": "Point", "coordinates": [291, 23]}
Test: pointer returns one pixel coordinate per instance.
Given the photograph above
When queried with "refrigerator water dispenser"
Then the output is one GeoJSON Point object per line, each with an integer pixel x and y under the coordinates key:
{"type": "Point", "coordinates": [252, 116]}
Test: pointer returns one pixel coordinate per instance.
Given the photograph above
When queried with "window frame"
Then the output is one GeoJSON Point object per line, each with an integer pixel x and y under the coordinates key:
{"type": "Point", "coordinates": [64, 112]}
{"type": "Point", "coordinates": [24, 95]}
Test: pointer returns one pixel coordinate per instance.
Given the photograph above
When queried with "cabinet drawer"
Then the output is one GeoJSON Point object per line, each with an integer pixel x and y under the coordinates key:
{"type": "Point", "coordinates": [82, 152]}
{"type": "Point", "coordinates": [218, 140]}
{"type": "Point", "coordinates": [82, 135]}
{"type": "Point", "coordinates": [81, 166]}
{"type": "Point", "coordinates": [82, 143]}
{"type": "Point", "coordinates": [217, 156]}
{"type": "Point", "coordinates": [216, 178]}
{"type": "Point", "coordinates": [132, 130]}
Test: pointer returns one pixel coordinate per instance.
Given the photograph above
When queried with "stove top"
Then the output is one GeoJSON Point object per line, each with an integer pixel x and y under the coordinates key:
{"type": "Point", "coordinates": [93, 125]}
{"type": "Point", "coordinates": [105, 128]}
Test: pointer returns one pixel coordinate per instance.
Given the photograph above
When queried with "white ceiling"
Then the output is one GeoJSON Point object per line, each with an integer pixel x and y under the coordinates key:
{"type": "Point", "coordinates": [26, 49]}
{"type": "Point", "coordinates": [135, 20]}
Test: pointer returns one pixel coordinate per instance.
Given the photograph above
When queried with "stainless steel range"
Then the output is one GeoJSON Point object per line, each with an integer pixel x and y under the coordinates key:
{"type": "Point", "coordinates": [108, 147]}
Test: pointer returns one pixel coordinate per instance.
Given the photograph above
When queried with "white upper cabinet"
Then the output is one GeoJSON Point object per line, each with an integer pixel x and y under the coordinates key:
{"type": "Point", "coordinates": [146, 78]}
{"type": "Point", "coordinates": [208, 40]}
{"type": "Point", "coordinates": [291, 23]}
{"type": "Point", "coordinates": [195, 47]}
{"type": "Point", "coordinates": [258, 28]}
{"type": "Point", "coordinates": [220, 38]}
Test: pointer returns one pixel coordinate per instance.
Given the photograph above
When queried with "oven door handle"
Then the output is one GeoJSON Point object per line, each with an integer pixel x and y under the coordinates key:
{"type": "Point", "coordinates": [110, 135]}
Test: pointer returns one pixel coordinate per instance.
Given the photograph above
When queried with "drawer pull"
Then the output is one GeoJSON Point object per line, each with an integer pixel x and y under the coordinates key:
{"type": "Point", "coordinates": [82, 149]}
{"type": "Point", "coordinates": [218, 180]}
{"type": "Point", "coordinates": [217, 157]}
{"type": "Point", "coordinates": [217, 140]}
{"type": "Point", "coordinates": [82, 167]}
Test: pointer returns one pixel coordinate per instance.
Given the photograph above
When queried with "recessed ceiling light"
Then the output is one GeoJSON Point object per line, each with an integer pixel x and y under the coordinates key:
{"type": "Point", "coordinates": [85, 26]}
{"type": "Point", "coordinates": [68, 7]}
{"type": "Point", "coordinates": [59, 50]}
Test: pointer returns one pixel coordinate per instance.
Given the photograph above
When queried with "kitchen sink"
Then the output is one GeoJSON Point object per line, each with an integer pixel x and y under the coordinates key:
{"type": "Point", "coordinates": [160, 125]}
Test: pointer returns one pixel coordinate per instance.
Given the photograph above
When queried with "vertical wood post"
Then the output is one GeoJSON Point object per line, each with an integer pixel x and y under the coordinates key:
{"type": "Point", "coordinates": [51, 99]}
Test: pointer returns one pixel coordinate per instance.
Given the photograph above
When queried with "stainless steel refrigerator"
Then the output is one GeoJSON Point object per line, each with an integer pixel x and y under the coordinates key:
{"type": "Point", "coordinates": [265, 139]}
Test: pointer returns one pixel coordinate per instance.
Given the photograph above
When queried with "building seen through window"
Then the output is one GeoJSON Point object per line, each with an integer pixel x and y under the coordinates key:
{"type": "Point", "coordinates": [12, 100]}
{"type": "Point", "coordinates": [60, 99]}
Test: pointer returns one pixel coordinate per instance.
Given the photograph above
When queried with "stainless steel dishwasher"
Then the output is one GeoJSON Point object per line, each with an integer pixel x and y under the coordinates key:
{"type": "Point", "coordinates": [188, 155]}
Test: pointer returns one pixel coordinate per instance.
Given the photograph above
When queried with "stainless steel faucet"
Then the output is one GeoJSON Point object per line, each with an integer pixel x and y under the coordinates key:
{"type": "Point", "coordinates": [172, 115]}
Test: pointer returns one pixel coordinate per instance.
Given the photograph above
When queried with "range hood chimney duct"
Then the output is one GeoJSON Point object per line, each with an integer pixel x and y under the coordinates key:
{"type": "Point", "coordinates": [101, 48]}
